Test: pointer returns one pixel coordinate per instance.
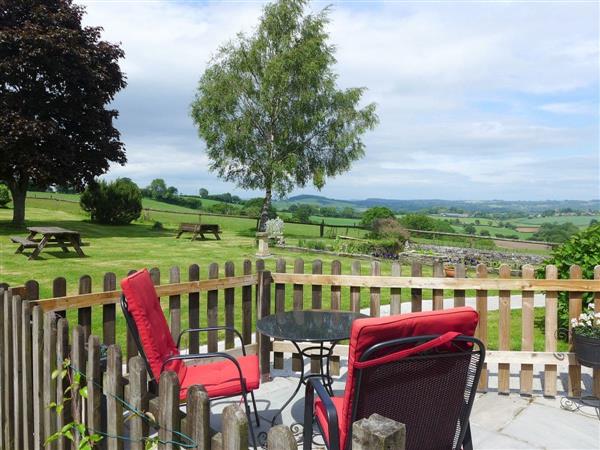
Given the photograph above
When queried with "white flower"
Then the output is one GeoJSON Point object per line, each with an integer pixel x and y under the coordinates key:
{"type": "Point", "coordinates": [574, 322]}
{"type": "Point", "coordinates": [582, 316]}
{"type": "Point", "coordinates": [591, 306]}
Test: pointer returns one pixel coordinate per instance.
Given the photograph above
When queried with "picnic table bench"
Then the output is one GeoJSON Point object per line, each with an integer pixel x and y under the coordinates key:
{"type": "Point", "coordinates": [199, 229]}
{"type": "Point", "coordinates": [51, 237]}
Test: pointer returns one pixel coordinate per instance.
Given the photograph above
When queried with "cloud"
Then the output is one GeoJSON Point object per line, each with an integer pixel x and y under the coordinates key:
{"type": "Point", "coordinates": [497, 99]}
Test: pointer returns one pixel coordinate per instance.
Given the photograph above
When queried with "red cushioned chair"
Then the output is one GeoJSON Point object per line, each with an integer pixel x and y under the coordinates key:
{"type": "Point", "coordinates": [420, 369]}
{"type": "Point", "coordinates": [228, 378]}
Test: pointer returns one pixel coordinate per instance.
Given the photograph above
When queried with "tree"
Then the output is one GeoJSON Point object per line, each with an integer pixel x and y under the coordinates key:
{"type": "Point", "coordinates": [555, 232]}
{"type": "Point", "coordinates": [374, 213]}
{"type": "Point", "coordinates": [115, 203]}
{"type": "Point", "coordinates": [157, 189]}
{"type": "Point", "coordinates": [203, 192]}
{"type": "Point", "coordinates": [270, 112]}
{"type": "Point", "coordinates": [303, 213]}
{"type": "Point", "coordinates": [56, 81]}
{"type": "Point", "coordinates": [423, 222]}
{"type": "Point", "coordinates": [469, 228]}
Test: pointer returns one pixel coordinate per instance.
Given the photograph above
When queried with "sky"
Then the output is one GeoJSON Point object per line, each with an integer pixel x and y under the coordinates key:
{"type": "Point", "coordinates": [476, 100]}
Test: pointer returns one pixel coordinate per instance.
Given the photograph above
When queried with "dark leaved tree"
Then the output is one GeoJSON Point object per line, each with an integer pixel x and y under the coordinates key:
{"type": "Point", "coordinates": [269, 109]}
{"type": "Point", "coordinates": [56, 81]}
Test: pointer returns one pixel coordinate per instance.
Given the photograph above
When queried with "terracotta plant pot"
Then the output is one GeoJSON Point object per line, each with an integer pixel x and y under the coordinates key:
{"type": "Point", "coordinates": [449, 271]}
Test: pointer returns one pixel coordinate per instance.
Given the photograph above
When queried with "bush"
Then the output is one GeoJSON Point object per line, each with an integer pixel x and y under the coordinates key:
{"type": "Point", "coordinates": [158, 226]}
{"type": "Point", "coordinates": [4, 196]}
{"type": "Point", "coordinates": [116, 203]}
{"type": "Point", "coordinates": [484, 233]}
{"type": "Point", "coordinates": [302, 213]}
{"type": "Point", "coordinates": [582, 249]}
{"type": "Point", "coordinates": [425, 223]}
{"type": "Point", "coordinates": [377, 212]}
{"type": "Point", "coordinates": [380, 248]}
{"type": "Point", "coordinates": [389, 228]}
{"type": "Point", "coordinates": [555, 232]}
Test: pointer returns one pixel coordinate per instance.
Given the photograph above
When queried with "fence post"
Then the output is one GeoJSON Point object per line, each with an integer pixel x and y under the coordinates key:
{"type": "Point", "coordinates": [298, 303]}
{"type": "Point", "coordinates": [375, 292]}
{"type": "Point", "coordinates": [49, 383]}
{"type": "Point", "coordinates": [137, 398]}
{"type": "Point", "coordinates": [114, 390]}
{"type": "Point", "coordinates": [378, 433]}
{"type": "Point", "coordinates": [550, 330]}
{"type": "Point", "coordinates": [78, 364]}
{"type": "Point", "coordinates": [17, 371]}
{"type": "Point", "coordinates": [37, 356]}
{"type": "Point", "coordinates": [194, 310]}
{"type": "Point", "coordinates": [575, 307]}
{"type": "Point", "coordinates": [93, 418]}
{"type": "Point", "coordinates": [168, 415]}
{"type": "Point", "coordinates": [322, 228]}
{"type": "Point", "coordinates": [481, 299]}
{"type": "Point", "coordinates": [3, 288]}
{"type": "Point", "coordinates": [27, 385]}
{"type": "Point", "coordinates": [198, 417]}
{"type": "Point", "coordinates": [62, 353]}
{"type": "Point", "coordinates": [263, 310]}
{"type": "Point", "coordinates": [281, 437]}
{"type": "Point", "coordinates": [235, 428]}
{"type": "Point", "coordinates": [279, 307]}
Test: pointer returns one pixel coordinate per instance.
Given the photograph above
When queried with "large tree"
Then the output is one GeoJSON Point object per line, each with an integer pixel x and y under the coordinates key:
{"type": "Point", "coordinates": [57, 79]}
{"type": "Point", "coordinates": [269, 109]}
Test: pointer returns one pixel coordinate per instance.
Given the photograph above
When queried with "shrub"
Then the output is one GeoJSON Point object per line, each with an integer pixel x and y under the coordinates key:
{"type": "Point", "coordinates": [555, 232]}
{"type": "Point", "coordinates": [158, 226]}
{"type": "Point", "coordinates": [389, 228]}
{"type": "Point", "coordinates": [425, 223]}
{"type": "Point", "coordinates": [484, 233]}
{"type": "Point", "coordinates": [4, 196]}
{"type": "Point", "coordinates": [582, 249]}
{"type": "Point", "coordinates": [377, 212]}
{"type": "Point", "coordinates": [116, 203]}
{"type": "Point", "coordinates": [302, 213]}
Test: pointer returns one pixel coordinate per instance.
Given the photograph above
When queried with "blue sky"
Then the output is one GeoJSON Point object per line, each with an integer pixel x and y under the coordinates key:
{"type": "Point", "coordinates": [477, 100]}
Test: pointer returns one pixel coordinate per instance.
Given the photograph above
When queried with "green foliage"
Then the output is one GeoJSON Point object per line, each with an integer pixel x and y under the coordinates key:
{"type": "Point", "coordinates": [377, 212]}
{"type": "Point", "coordinates": [484, 233]}
{"type": "Point", "coordinates": [269, 109]}
{"type": "Point", "coordinates": [158, 226]}
{"type": "Point", "coordinates": [302, 213]}
{"type": "Point", "coordinates": [57, 81]}
{"type": "Point", "coordinates": [555, 232]}
{"type": "Point", "coordinates": [158, 190]}
{"type": "Point", "coordinates": [582, 249]}
{"type": "Point", "coordinates": [203, 192]}
{"type": "Point", "coordinates": [425, 223]}
{"type": "Point", "coordinates": [469, 228]}
{"type": "Point", "coordinates": [253, 207]}
{"type": "Point", "coordinates": [116, 203]}
{"type": "Point", "coordinates": [389, 228]}
{"type": "Point", "coordinates": [4, 196]}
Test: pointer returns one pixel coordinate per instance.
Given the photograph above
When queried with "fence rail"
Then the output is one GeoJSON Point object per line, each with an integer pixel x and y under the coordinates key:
{"type": "Point", "coordinates": [37, 335]}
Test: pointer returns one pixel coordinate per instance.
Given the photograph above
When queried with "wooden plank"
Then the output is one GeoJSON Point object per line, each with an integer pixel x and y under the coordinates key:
{"type": "Point", "coordinates": [109, 313]}
{"type": "Point", "coordinates": [459, 294]}
{"type": "Point", "coordinates": [84, 315]}
{"type": "Point", "coordinates": [114, 389]}
{"type": "Point", "coordinates": [62, 353]}
{"type": "Point", "coordinates": [32, 290]}
{"type": "Point", "coordinates": [279, 307]}
{"type": "Point", "coordinates": [194, 310]}
{"type": "Point", "coordinates": [137, 397]}
{"type": "Point", "coordinates": [212, 309]}
{"type": "Point", "coordinates": [550, 329]}
{"type": "Point", "coordinates": [235, 428]}
{"type": "Point", "coordinates": [49, 383]}
{"type": "Point", "coordinates": [527, 317]}
{"type": "Point", "coordinates": [17, 371]}
{"type": "Point", "coordinates": [375, 292]}
{"type": "Point", "coordinates": [198, 417]}
{"type": "Point", "coordinates": [247, 304]}
{"type": "Point", "coordinates": [438, 294]}
{"type": "Point", "coordinates": [280, 437]}
{"type": "Point", "coordinates": [298, 303]}
{"type": "Point", "coordinates": [229, 306]}
{"type": "Point", "coordinates": [396, 293]}
{"type": "Point", "coordinates": [335, 304]}
{"type": "Point", "coordinates": [317, 303]}
{"type": "Point", "coordinates": [37, 366]}
{"type": "Point", "coordinates": [575, 308]}
{"type": "Point", "coordinates": [596, 370]}
{"type": "Point", "coordinates": [416, 294]}
{"type": "Point", "coordinates": [481, 333]}
{"type": "Point", "coordinates": [59, 289]}
{"type": "Point", "coordinates": [263, 310]}
{"type": "Point", "coordinates": [355, 290]}
{"type": "Point", "coordinates": [27, 385]}
{"type": "Point", "coordinates": [175, 304]}
{"type": "Point", "coordinates": [78, 365]}
{"type": "Point", "coordinates": [93, 418]}
{"type": "Point", "coordinates": [504, 333]}
{"type": "Point", "coordinates": [102, 298]}
{"type": "Point", "coordinates": [9, 400]}
{"type": "Point", "coordinates": [514, 284]}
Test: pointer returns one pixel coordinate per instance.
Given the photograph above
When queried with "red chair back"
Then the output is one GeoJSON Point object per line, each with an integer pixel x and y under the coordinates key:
{"type": "Point", "coordinates": [421, 392]}
{"type": "Point", "coordinates": [153, 334]}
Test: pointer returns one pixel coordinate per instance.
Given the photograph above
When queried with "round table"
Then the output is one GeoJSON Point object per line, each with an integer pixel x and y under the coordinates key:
{"type": "Point", "coordinates": [322, 328]}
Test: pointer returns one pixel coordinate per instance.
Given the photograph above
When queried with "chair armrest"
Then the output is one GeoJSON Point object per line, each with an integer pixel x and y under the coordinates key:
{"type": "Point", "coordinates": [207, 356]}
{"type": "Point", "coordinates": [215, 328]}
{"type": "Point", "coordinates": [314, 385]}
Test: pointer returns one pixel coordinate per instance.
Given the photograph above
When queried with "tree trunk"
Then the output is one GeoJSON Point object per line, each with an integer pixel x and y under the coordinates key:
{"type": "Point", "coordinates": [264, 215]}
{"type": "Point", "coordinates": [18, 192]}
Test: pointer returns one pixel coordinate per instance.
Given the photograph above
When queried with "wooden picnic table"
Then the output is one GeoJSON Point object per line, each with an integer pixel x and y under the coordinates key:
{"type": "Point", "coordinates": [51, 237]}
{"type": "Point", "coordinates": [199, 229]}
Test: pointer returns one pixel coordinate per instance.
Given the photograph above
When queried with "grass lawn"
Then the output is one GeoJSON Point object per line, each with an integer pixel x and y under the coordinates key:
{"type": "Point", "coordinates": [120, 249]}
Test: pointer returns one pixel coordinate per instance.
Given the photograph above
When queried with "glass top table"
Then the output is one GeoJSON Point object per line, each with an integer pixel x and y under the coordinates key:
{"type": "Point", "coordinates": [320, 328]}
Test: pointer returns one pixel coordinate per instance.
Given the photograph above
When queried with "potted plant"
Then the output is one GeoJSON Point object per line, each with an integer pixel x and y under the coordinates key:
{"type": "Point", "coordinates": [586, 337]}
{"type": "Point", "coordinates": [449, 271]}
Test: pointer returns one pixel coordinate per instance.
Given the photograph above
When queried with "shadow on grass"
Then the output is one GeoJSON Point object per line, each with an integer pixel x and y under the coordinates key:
{"type": "Point", "coordinates": [87, 229]}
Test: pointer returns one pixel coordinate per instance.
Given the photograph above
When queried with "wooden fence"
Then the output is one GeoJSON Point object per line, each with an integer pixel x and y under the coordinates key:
{"type": "Point", "coordinates": [35, 337]}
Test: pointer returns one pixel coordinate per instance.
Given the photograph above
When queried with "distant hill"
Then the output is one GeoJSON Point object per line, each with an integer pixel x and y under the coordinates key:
{"type": "Point", "coordinates": [487, 206]}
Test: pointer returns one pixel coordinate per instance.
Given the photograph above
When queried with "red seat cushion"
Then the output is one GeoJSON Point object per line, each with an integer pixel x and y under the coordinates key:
{"type": "Point", "coordinates": [221, 379]}
{"type": "Point", "coordinates": [321, 415]}
{"type": "Point", "coordinates": [155, 337]}
{"type": "Point", "coordinates": [370, 331]}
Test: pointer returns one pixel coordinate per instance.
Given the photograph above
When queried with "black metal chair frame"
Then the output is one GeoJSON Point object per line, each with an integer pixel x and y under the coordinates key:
{"type": "Point", "coordinates": [153, 383]}
{"type": "Point", "coordinates": [315, 386]}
